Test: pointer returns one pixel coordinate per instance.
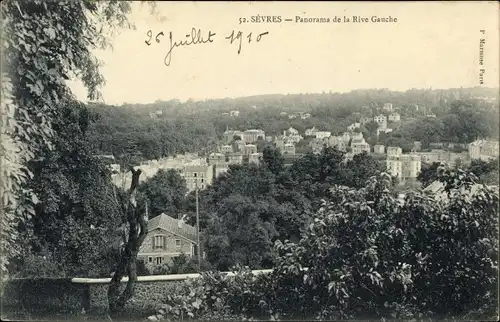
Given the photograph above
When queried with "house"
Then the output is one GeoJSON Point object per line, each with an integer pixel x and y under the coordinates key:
{"type": "Point", "coordinates": [379, 149]}
{"type": "Point", "coordinates": [322, 134]}
{"type": "Point", "coordinates": [292, 135]}
{"type": "Point", "coordinates": [365, 120]}
{"type": "Point", "coordinates": [310, 132]}
{"type": "Point", "coordinates": [381, 121]}
{"type": "Point", "coordinates": [394, 117]}
{"type": "Point", "coordinates": [417, 146]}
{"type": "Point", "coordinates": [229, 135]}
{"type": "Point", "coordinates": [291, 131]}
{"type": "Point", "coordinates": [357, 136]}
{"type": "Point", "coordinates": [392, 150]}
{"type": "Point", "coordinates": [289, 148]}
{"type": "Point", "coordinates": [234, 113]}
{"type": "Point", "coordinates": [216, 158]}
{"type": "Point", "coordinates": [387, 107]}
{"type": "Point", "coordinates": [483, 149]}
{"type": "Point", "coordinates": [198, 176]}
{"type": "Point", "coordinates": [346, 137]}
{"type": "Point", "coordinates": [235, 158]}
{"type": "Point", "coordinates": [250, 149]}
{"type": "Point", "coordinates": [438, 155]}
{"type": "Point", "coordinates": [359, 146]}
{"type": "Point", "coordinates": [404, 166]}
{"type": "Point", "coordinates": [337, 142]}
{"type": "Point", "coordinates": [239, 146]}
{"type": "Point", "coordinates": [255, 158]}
{"type": "Point", "coordinates": [226, 149]}
{"type": "Point", "coordinates": [305, 116]}
{"type": "Point", "coordinates": [251, 136]}
{"type": "Point", "coordinates": [167, 238]}
{"type": "Point", "coordinates": [353, 126]}
{"type": "Point", "coordinates": [436, 145]}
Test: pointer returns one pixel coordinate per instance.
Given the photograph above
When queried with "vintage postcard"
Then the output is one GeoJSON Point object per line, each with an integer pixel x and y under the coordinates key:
{"type": "Point", "coordinates": [249, 160]}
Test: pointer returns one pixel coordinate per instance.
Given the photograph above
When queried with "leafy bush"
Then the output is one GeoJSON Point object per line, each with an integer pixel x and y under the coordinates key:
{"type": "Point", "coordinates": [368, 255]}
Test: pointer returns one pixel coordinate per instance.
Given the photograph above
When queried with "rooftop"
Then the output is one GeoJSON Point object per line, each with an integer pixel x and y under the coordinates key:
{"type": "Point", "coordinates": [173, 225]}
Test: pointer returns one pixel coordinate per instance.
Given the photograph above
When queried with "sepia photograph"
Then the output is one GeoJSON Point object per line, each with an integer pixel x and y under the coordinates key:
{"type": "Point", "coordinates": [249, 161]}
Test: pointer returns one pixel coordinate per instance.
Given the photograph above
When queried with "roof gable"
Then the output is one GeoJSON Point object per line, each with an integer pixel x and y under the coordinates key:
{"type": "Point", "coordinates": [171, 224]}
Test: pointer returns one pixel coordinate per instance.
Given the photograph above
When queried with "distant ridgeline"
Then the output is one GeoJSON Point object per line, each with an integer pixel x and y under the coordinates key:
{"type": "Point", "coordinates": [163, 128]}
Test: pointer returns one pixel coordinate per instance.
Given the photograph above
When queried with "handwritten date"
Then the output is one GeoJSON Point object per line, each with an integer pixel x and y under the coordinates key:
{"type": "Point", "coordinates": [196, 37]}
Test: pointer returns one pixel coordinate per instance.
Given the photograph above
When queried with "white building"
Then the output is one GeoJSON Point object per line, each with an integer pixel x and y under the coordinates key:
{"type": "Point", "coordinates": [483, 150]}
{"type": "Point", "coordinates": [388, 107]}
{"type": "Point", "coordinates": [234, 113]}
{"type": "Point", "coordinates": [394, 117]}
{"type": "Point", "coordinates": [394, 151]}
{"type": "Point", "coordinates": [198, 176]}
{"type": "Point", "coordinates": [353, 126]}
{"type": "Point", "coordinates": [404, 166]}
{"type": "Point", "coordinates": [310, 132]}
{"type": "Point", "coordinates": [359, 146]}
{"type": "Point", "coordinates": [255, 158]}
{"type": "Point", "coordinates": [322, 134]}
{"type": "Point", "coordinates": [379, 149]}
{"type": "Point", "coordinates": [381, 121]}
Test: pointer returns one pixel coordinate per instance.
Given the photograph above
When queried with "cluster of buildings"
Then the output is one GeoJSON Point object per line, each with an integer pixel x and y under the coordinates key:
{"type": "Point", "coordinates": [196, 171]}
{"type": "Point", "coordinates": [248, 136]}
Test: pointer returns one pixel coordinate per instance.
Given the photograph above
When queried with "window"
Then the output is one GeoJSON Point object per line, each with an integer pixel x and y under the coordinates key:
{"type": "Point", "coordinates": [202, 186]}
{"type": "Point", "coordinates": [195, 174]}
{"type": "Point", "coordinates": [201, 180]}
{"type": "Point", "coordinates": [178, 242]}
{"type": "Point", "coordinates": [159, 260]}
{"type": "Point", "coordinates": [158, 242]}
{"type": "Point", "coordinates": [150, 259]}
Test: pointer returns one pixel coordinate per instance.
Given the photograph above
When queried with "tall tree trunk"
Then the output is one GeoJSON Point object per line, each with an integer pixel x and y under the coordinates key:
{"type": "Point", "coordinates": [128, 262]}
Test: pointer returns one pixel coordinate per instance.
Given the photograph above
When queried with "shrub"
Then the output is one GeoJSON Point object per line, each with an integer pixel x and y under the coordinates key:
{"type": "Point", "coordinates": [368, 255]}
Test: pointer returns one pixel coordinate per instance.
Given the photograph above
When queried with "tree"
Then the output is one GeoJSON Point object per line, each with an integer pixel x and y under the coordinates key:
{"type": "Point", "coordinates": [242, 233]}
{"type": "Point", "coordinates": [76, 217]}
{"type": "Point", "coordinates": [428, 173]}
{"type": "Point", "coordinates": [361, 168]}
{"type": "Point", "coordinates": [486, 171]}
{"type": "Point", "coordinates": [368, 255]}
{"type": "Point", "coordinates": [166, 192]}
{"type": "Point", "coordinates": [43, 43]}
{"type": "Point", "coordinates": [127, 266]}
{"type": "Point", "coordinates": [273, 160]}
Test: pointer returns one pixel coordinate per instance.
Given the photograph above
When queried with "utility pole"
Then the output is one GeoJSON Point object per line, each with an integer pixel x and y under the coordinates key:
{"type": "Point", "coordinates": [197, 227]}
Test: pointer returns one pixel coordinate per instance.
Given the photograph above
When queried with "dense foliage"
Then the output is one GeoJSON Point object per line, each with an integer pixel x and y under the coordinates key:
{"type": "Point", "coordinates": [486, 171]}
{"type": "Point", "coordinates": [165, 192]}
{"type": "Point", "coordinates": [77, 214]}
{"type": "Point", "coordinates": [251, 206]}
{"type": "Point", "coordinates": [367, 255]}
{"type": "Point", "coordinates": [44, 43]}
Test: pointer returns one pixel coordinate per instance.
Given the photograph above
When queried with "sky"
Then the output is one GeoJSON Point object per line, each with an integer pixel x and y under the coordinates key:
{"type": "Point", "coordinates": [431, 45]}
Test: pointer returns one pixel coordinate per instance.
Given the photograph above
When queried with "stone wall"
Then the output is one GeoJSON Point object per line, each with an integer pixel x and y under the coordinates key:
{"type": "Point", "coordinates": [147, 298]}
{"type": "Point", "coordinates": [89, 295]}
{"type": "Point", "coordinates": [45, 295]}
